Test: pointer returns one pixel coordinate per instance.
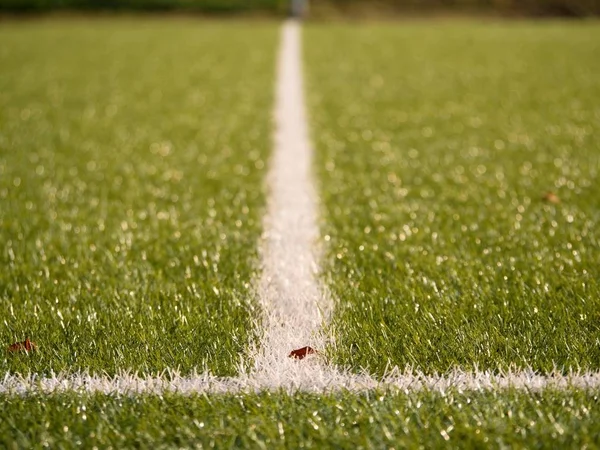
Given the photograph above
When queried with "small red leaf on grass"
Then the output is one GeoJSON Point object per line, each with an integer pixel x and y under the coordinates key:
{"type": "Point", "coordinates": [551, 197]}
{"type": "Point", "coordinates": [301, 353]}
{"type": "Point", "coordinates": [25, 346]}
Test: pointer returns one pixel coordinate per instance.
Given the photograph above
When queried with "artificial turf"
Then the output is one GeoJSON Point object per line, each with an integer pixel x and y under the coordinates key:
{"type": "Point", "coordinates": [484, 419]}
{"type": "Point", "coordinates": [132, 157]}
{"type": "Point", "coordinates": [458, 167]}
{"type": "Point", "coordinates": [131, 197]}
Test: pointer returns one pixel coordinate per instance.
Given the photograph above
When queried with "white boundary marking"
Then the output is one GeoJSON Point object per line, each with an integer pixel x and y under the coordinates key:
{"type": "Point", "coordinates": [294, 305]}
{"type": "Point", "coordinates": [131, 384]}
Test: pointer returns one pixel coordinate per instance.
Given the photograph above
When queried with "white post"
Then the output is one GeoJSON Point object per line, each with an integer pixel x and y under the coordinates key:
{"type": "Point", "coordinates": [299, 8]}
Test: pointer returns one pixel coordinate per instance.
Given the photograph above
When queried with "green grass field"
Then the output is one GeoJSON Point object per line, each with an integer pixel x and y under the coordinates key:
{"type": "Point", "coordinates": [434, 155]}
{"type": "Point", "coordinates": [133, 155]}
{"type": "Point", "coordinates": [511, 419]}
{"type": "Point", "coordinates": [131, 191]}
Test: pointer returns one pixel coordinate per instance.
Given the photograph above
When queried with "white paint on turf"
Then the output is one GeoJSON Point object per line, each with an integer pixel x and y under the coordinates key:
{"type": "Point", "coordinates": [294, 305]}
{"type": "Point", "coordinates": [131, 384]}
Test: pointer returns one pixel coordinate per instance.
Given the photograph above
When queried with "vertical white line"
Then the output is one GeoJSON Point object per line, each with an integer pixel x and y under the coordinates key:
{"type": "Point", "coordinates": [289, 292]}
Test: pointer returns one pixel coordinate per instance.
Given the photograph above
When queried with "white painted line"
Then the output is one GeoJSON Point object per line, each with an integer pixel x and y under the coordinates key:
{"type": "Point", "coordinates": [130, 384]}
{"type": "Point", "coordinates": [294, 305]}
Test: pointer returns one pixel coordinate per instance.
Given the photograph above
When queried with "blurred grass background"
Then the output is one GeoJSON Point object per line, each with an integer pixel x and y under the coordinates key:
{"type": "Point", "coordinates": [321, 9]}
{"type": "Point", "coordinates": [201, 6]}
{"type": "Point", "coordinates": [399, 8]}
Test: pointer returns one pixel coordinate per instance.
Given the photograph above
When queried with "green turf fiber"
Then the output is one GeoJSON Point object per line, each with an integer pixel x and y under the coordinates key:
{"type": "Point", "coordinates": [507, 419]}
{"type": "Point", "coordinates": [132, 157]}
{"type": "Point", "coordinates": [436, 143]}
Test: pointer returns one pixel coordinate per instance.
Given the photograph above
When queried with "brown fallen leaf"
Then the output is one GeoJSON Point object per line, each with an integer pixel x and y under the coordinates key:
{"type": "Point", "coordinates": [25, 346]}
{"type": "Point", "coordinates": [551, 197]}
{"type": "Point", "coordinates": [301, 353]}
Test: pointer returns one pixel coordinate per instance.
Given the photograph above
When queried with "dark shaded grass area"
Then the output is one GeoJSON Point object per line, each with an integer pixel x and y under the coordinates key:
{"type": "Point", "coordinates": [319, 8]}
{"type": "Point", "coordinates": [532, 8]}
{"type": "Point", "coordinates": [202, 6]}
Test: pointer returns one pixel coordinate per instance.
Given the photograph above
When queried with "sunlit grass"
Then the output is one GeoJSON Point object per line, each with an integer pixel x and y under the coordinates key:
{"type": "Point", "coordinates": [132, 154]}
{"type": "Point", "coordinates": [436, 145]}
{"type": "Point", "coordinates": [566, 419]}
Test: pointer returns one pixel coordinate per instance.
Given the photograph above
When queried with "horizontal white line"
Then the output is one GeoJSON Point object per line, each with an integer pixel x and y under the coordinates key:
{"type": "Point", "coordinates": [322, 382]}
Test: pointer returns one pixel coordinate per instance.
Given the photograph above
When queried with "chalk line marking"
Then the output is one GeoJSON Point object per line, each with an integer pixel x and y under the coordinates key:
{"type": "Point", "coordinates": [295, 307]}
{"type": "Point", "coordinates": [131, 384]}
